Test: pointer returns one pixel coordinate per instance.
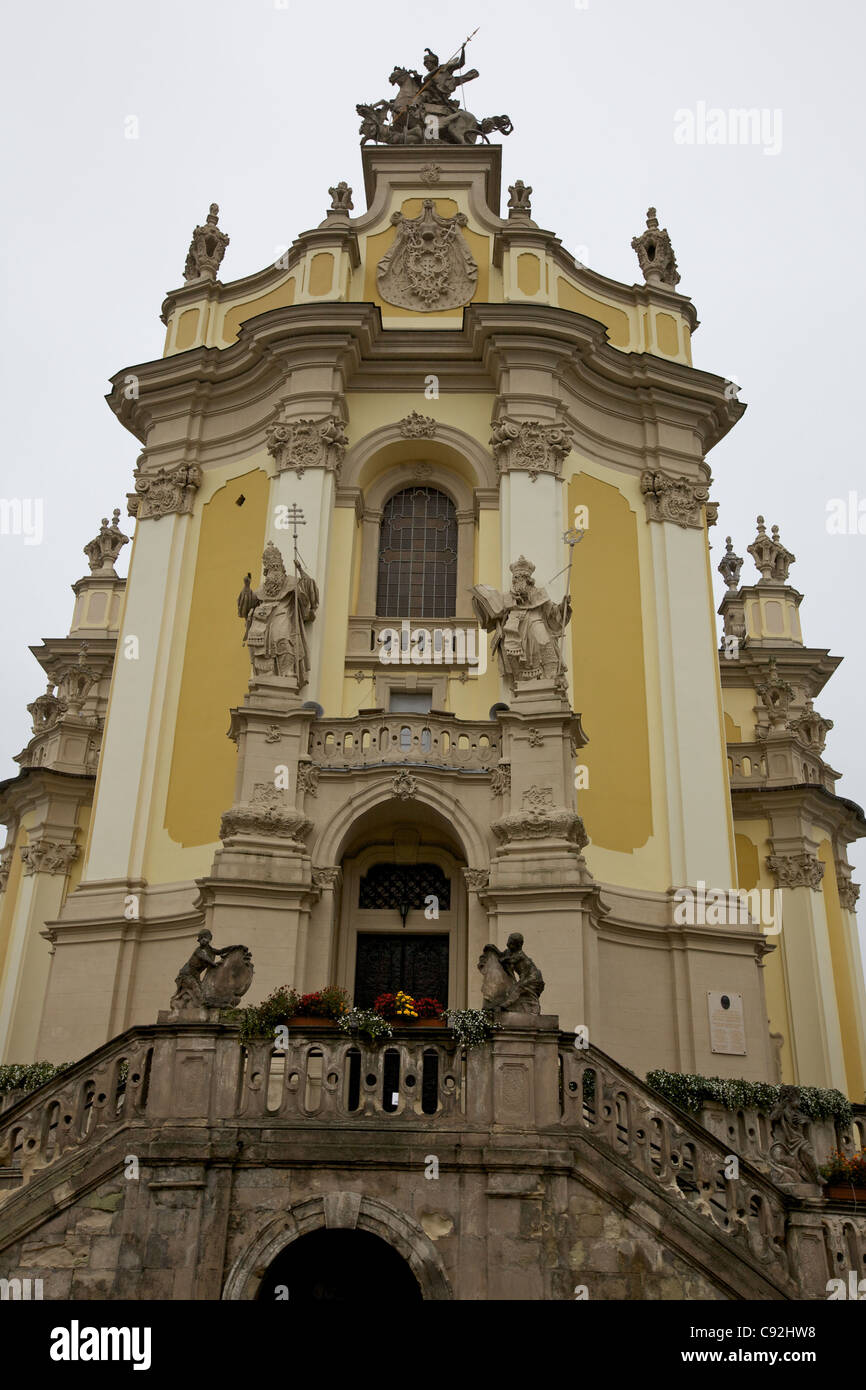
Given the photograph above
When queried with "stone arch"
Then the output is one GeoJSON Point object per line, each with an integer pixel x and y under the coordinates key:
{"type": "Point", "coordinates": [329, 845]}
{"type": "Point", "coordinates": [450, 447]}
{"type": "Point", "coordinates": [340, 1211]}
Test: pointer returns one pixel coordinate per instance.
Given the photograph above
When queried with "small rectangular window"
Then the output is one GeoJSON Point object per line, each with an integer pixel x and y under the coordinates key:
{"type": "Point", "coordinates": [410, 701]}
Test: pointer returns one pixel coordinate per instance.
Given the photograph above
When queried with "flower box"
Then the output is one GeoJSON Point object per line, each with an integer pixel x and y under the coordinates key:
{"type": "Point", "coordinates": [311, 1021]}
{"type": "Point", "coordinates": [843, 1192]}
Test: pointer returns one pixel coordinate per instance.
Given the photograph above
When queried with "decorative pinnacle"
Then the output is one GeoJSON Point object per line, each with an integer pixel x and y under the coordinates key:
{"type": "Point", "coordinates": [730, 565]}
{"type": "Point", "coordinates": [655, 254]}
{"type": "Point", "coordinates": [104, 549]}
{"type": "Point", "coordinates": [770, 555]}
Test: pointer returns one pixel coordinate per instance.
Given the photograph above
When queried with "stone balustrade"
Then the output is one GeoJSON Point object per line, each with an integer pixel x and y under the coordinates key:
{"type": "Point", "coordinates": [675, 1152]}
{"type": "Point", "coordinates": [376, 739]}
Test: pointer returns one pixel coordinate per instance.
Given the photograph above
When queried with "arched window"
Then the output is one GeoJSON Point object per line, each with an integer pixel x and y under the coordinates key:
{"type": "Point", "coordinates": [418, 556]}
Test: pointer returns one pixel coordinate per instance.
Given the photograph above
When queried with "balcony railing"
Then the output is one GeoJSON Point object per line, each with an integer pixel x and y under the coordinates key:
{"type": "Point", "coordinates": [375, 739]}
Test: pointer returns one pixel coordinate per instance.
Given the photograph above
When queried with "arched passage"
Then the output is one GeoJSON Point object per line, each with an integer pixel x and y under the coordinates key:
{"type": "Point", "coordinates": [339, 1267]}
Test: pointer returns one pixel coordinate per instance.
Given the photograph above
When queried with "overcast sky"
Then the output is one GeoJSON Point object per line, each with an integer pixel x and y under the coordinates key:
{"type": "Point", "coordinates": [251, 103]}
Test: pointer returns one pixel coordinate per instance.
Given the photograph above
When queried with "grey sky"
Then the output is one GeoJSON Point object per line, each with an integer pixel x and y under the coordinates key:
{"type": "Point", "coordinates": [251, 103]}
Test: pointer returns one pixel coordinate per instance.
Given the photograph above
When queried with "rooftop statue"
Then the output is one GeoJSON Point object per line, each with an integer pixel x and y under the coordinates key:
{"type": "Point", "coordinates": [426, 110]}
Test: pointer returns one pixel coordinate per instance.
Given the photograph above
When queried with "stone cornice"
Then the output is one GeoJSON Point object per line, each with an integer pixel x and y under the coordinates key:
{"type": "Point", "coordinates": [350, 339]}
{"type": "Point", "coordinates": [810, 667]}
{"type": "Point", "coordinates": [836, 813]}
{"type": "Point", "coordinates": [23, 793]}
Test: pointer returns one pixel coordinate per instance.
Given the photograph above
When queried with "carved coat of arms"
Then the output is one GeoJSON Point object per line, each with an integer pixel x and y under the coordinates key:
{"type": "Point", "coordinates": [429, 266]}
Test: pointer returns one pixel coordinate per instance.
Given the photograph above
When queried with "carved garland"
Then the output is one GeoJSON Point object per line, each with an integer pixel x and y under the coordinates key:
{"type": "Point", "coordinates": [266, 813]}
{"type": "Point", "coordinates": [540, 819]}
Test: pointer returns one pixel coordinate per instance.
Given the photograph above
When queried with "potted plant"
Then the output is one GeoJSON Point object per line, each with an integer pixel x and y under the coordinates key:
{"type": "Point", "coordinates": [404, 1009]}
{"type": "Point", "coordinates": [366, 1021]}
{"type": "Point", "coordinates": [322, 1006]}
{"type": "Point", "coordinates": [845, 1176]}
{"type": "Point", "coordinates": [471, 1027]}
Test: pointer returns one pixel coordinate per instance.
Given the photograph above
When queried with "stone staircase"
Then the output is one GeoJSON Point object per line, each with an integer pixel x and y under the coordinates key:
{"type": "Point", "coordinates": [578, 1172]}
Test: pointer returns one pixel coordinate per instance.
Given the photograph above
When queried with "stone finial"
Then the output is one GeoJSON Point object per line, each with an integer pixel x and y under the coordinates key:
{"type": "Point", "coordinates": [770, 556]}
{"type": "Point", "coordinates": [206, 250]}
{"type": "Point", "coordinates": [655, 253]}
{"type": "Point", "coordinates": [519, 201]}
{"type": "Point", "coordinates": [103, 550]}
{"type": "Point", "coordinates": [341, 198]}
{"type": "Point", "coordinates": [730, 565]}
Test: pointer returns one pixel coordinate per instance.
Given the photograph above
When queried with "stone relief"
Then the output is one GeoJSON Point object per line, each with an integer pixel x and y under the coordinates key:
{"type": "Point", "coordinates": [792, 1157]}
{"type": "Point", "coordinates": [404, 786]}
{"type": "Point", "coordinates": [208, 982]}
{"type": "Point", "coordinates": [655, 254]}
{"type": "Point", "coordinates": [500, 780]}
{"type": "Point", "coordinates": [326, 875]}
{"type": "Point", "coordinates": [532, 446]}
{"type": "Point", "coordinates": [163, 492]}
{"type": "Point", "coordinates": [48, 857]}
{"type": "Point", "coordinates": [207, 248]}
{"type": "Point", "coordinates": [476, 880]}
{"type": "Point", "coordinates": [670, 498]}
{"type": "Point", "coordinates": [415, 426]}
{"type": "Point", "coordinates": [425, 109]}
{"type": "Point", "coordinates": [303, 444]}
{"type": "Point", "coordinates": [429, 265]}
{"type": "Point", "coordinates": [509, 979]}
{"type": "Point", "coordinates": [528, 626]}
{"type": "Point", "coordinates": [803, 870]}
{"type": "Point", "coordinates": [308, 779]}
{"type": "Point", "coordinates": [275, 616]}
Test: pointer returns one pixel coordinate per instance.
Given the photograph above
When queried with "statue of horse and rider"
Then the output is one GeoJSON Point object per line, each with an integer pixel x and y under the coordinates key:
{"type": "Point", "coordinates": [425, 109]}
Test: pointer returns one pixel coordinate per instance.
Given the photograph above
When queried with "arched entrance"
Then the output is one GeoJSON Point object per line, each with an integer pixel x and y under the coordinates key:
{"type": "Point", "coordinates": [339, 1266]}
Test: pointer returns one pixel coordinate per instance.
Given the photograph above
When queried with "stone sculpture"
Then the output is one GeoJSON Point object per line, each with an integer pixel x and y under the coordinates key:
{"type": "Point", "coordinates": [425, 109]}
{"type": "Point", "coordinates": [792, 1158]}
{"type": "Point", "coordinates": [207, 248]}
{"type": "Point", "coordinates": [509, 979]}
{"type": "Point", "coordinates": [275, 615]}
{"type": "Point", "coordinates": [207, 982]}
{"type": "Point", "coordinates": [528, 626]}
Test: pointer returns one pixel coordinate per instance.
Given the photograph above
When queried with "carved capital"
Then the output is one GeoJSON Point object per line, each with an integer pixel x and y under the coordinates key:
{"type": "Point", "coordinates": [530, 446]}
{"type": "Point", "coordinates": [849, 892]}
{"type": "Point", "coordinates": [303, 444]}
{"type": "Point", "coordinates": [48, 857]}
{"type": "Point", "coordinates": [165, 491]}
{"type": "Point", "coordinates": [327, 875]}
{"type": "Point", "coordinates": [266, 813]}
{"type": "Point", "coordinates": [415, 426]}
{"type": "Point", "coordinates": [670, 498]}
{"type": "Point", "coordinates": [539, 819]}
{"type": "Point", "coordinates": [476, 879]}
{"type": "Point", "coordinates": [803, 870]}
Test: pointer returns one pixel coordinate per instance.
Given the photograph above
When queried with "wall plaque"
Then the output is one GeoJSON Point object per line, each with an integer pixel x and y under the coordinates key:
{"type": "Point", "coordinates": [727, 1026]}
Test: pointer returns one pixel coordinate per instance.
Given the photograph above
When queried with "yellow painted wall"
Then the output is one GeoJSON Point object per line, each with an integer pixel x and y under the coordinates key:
{"type": "Point", "coordinates": [739, 706]}
{"type": "Point", "coordinates": [236, 314]}
{"type": "Point", "coordinates": [607, 656]}
{"type": "Point", "coordinates": [216, 668]}
{"type": "Point", "coordinates": [848, 1017]}
{"type": "Point", "coordinates": [667, 335]}
{"type": "Point", "coordinates": [528, 273]}
{"type": "Point", "coordinates": [616, 321]}
{"type": "Point", "coordinates": [10, 897]}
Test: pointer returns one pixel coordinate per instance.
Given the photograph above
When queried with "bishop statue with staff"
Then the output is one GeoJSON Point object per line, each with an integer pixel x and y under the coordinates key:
{"type": "Point", "coordinates": [528, 625]}
{"type": "Point", "coordinates": [275, 615]}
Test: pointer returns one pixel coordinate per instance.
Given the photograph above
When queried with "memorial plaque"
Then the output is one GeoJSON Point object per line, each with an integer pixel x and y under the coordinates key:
{"type": "Point", "coordinates": [727, 1026]}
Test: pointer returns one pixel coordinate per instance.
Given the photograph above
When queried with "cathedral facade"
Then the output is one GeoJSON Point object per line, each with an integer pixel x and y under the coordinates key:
{"type": "Point", "coordinates": [418, 650]}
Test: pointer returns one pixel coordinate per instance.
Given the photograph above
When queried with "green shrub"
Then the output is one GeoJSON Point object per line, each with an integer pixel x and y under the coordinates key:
{"type": "Point", "coordinates": [28, 1076]}
{"type": "Point", "coordinates": [692, 1093]}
